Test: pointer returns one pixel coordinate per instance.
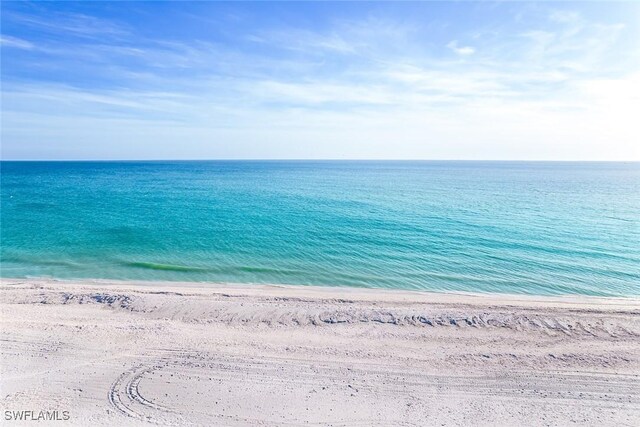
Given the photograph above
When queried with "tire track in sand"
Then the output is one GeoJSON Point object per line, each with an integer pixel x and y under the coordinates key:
{"type": "Point", "coordinates": [125, 397]}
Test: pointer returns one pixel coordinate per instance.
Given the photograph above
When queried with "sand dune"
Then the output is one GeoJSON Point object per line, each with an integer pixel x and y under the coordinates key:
{"type": "Point", "coordinates": [123, 353]}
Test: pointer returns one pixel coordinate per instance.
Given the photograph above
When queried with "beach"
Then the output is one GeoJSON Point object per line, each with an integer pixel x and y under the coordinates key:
{"type": "Point", "coordinates": [170, 353]}
{"type": "Point", "coordinates": [370, 214]}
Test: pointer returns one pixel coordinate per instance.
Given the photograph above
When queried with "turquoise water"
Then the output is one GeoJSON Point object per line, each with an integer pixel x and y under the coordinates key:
{"type": "Point", "coordinates": [506, 227]}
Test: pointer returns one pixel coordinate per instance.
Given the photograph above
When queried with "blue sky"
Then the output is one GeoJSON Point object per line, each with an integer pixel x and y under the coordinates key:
{"type": "Point", "coordinates": [431, 80]}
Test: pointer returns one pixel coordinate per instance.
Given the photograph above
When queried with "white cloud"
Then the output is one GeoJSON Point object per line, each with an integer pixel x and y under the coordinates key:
{"type": "Point", "coordinates": [8, 41]}
{"type": "Point", "coordinates": [460, 50]}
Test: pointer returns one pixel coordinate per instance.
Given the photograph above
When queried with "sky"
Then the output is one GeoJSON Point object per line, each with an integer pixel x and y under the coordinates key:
{"type": "Point", "coordinates": [321, 80]}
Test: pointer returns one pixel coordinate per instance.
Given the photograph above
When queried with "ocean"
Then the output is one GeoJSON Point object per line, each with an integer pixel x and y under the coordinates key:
{"type": "Point", "coordinates": [542, 228]}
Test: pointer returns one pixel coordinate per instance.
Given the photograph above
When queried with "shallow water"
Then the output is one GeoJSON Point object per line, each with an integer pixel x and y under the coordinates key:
{"type": "Point", "coordinates": [507, 227]}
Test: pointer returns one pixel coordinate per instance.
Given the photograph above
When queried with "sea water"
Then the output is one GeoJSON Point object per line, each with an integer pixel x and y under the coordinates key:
{"type": "Point", "coordinates": [499, 227]}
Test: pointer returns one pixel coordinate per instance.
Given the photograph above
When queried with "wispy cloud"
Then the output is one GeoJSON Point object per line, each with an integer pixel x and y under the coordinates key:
{"type": "Point", "coordinates": [14, 42]}
{"type": "Point", "coordinates": [68, 23]}
{"type": "Point", "coordinates": [410, 89]}
{"type": "Point", "coordinates": [305, 41]}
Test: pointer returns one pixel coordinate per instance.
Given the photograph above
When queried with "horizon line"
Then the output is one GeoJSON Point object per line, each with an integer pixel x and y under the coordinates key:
{"type": "Point", "coordinates": [319, 160]}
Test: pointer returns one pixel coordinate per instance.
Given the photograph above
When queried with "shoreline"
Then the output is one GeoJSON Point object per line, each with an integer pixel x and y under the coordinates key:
{"type": "Point", "coordinates": [326, 291]}
{"type": "Point", "coordinates": [167, 353]}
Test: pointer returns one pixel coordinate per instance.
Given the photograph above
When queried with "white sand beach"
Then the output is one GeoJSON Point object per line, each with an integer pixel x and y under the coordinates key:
{"type": "Point", "coordinates": [125, 353]}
